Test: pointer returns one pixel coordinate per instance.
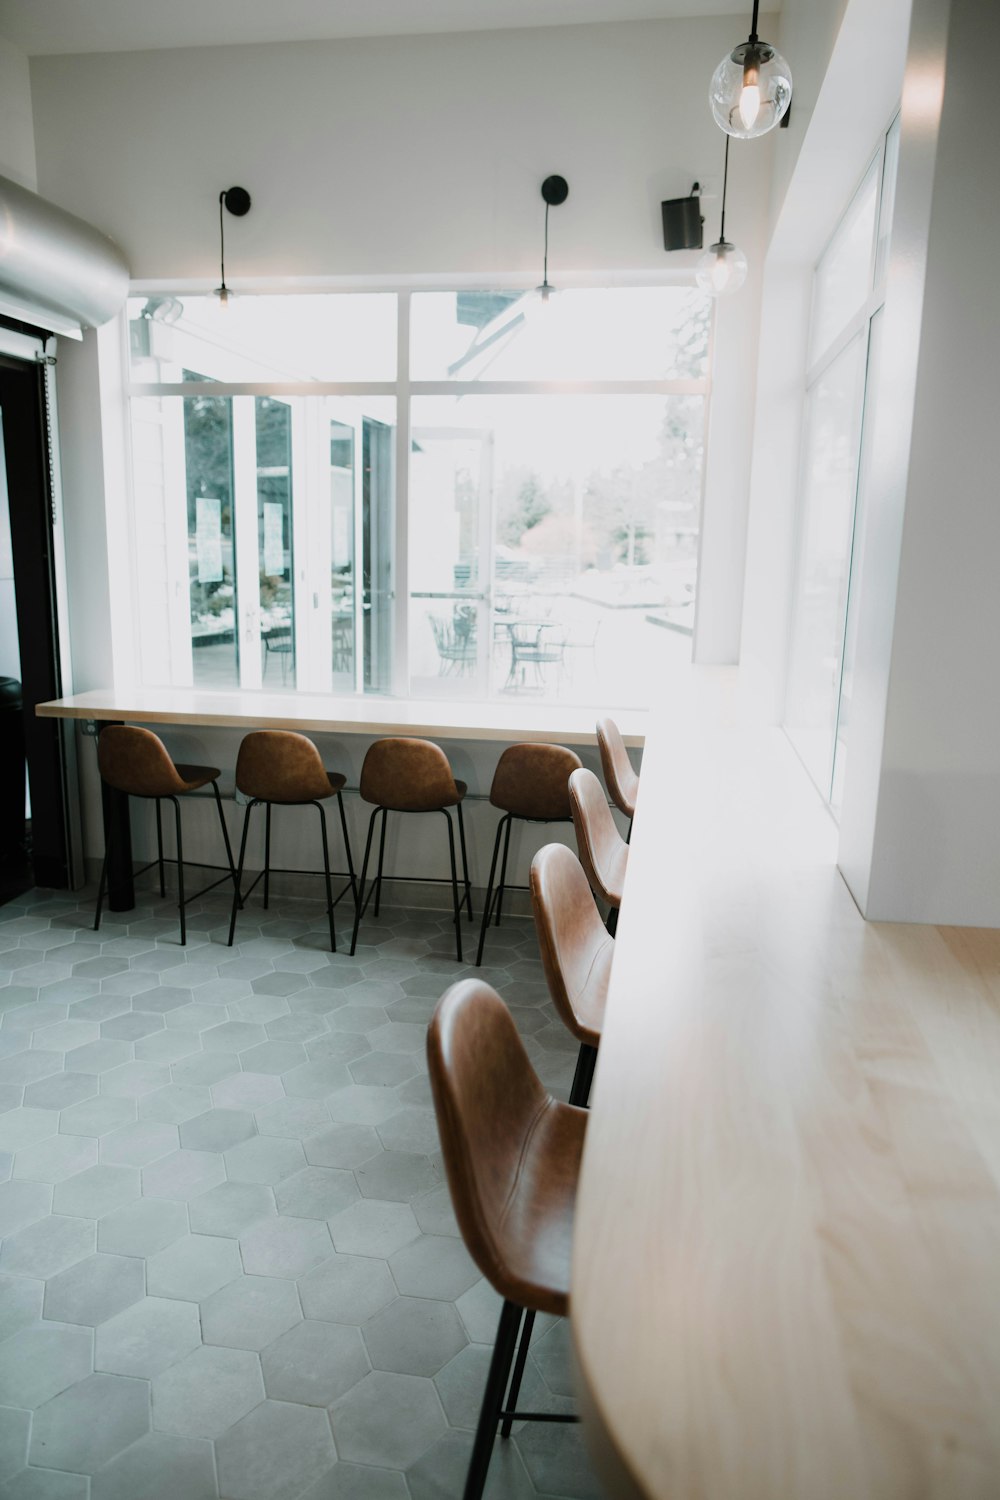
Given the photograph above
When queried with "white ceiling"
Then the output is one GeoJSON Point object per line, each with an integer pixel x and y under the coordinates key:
{"type": "Point", "coordinates": [39, 27]}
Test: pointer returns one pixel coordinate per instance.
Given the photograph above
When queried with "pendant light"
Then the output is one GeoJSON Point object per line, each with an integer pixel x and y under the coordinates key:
{"type": "Point", "coordinates": [751, 88]}
{"type": "Point", "coordinates": [237, 201]}
{"type": "Point", "coordinates": [555, 190]}
{"type": "Point", "coordinates": [723, 268]}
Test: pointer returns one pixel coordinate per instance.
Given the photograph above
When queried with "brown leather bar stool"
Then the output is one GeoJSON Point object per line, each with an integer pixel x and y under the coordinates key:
{"type": "Point", "coordinates": [135, 762]}
{"type": "Point", "coordinates": [603, 851]}
{"type": "Point", "coordinates": [530, 782]}
{"type": "Point", "coordinates": [409, 775]}
{"type": "Point", "coordinates": [620, 777]}
{"type": "Point", "coordinates": [512, 1157]}
{"type": "Point", "coordinates": [277, 766]}
{"type": "Point", "coordinates": [576, 949]}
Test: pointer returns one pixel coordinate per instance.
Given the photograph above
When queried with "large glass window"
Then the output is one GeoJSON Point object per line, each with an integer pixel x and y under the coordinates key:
{"type": "Point", "coordinates": [849, 292]}
{"type": "Point", "coordinates": [541, 539]}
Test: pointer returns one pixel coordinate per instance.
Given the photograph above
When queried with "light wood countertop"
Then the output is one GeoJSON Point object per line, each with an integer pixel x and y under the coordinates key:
{"type": "Point", "coordinates": [452, 719]}
{"type": "Point", "coordinates": [786, 1280]}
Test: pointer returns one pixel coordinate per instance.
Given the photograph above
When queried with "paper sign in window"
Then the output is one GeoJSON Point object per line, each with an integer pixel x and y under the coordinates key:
{"type": "Point", "coordinates": [274, 545]}
{"type": "Point", "coordinates": [208, 539]}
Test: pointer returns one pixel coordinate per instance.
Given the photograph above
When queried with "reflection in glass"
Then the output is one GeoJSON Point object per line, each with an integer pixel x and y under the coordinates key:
{"type": "Point", "coordinates": [208, 461]}
{"type": "Point", "coordinates": [553, 544]}
{"type": "Point", "coordinates": [274, 541]}
{"type": "Point", "coordinates": [829, 484]}
{"type": "Point", "coordinates": [844, 273]}
{"type": "Point", "coordinates": [342, 555]}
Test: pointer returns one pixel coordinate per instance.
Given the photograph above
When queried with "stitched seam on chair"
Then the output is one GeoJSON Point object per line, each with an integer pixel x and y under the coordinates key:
{"type": "Point", "coordinates": [593, 965]}
{"type": "Point", "coordinates": [543, 1107]}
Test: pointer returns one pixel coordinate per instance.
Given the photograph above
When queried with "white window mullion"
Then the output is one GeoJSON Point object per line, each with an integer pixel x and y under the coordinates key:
{"type": "Point", "coordinates": [401, 532]}
{"type": "Point", "coordinates": [246, 545]}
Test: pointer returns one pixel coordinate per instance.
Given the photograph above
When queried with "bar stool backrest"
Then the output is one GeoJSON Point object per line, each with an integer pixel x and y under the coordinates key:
{"type": "Point", "coordinates": [603, 852]}
{"type": "Point", "coordinates": [278, 765]}
{"type": "Point", "coordinates": [489, 1104]}
{"type": "Point", "coordinates": [575, 945]}
{"type": "Point", "coordinates": [136, 761]}
{"type": "Point", "coordinates": [532, 781]}
{"type": "Point", "coordinates": [408, 775]}
{"type": "Point", "coordinates": [619, 776]}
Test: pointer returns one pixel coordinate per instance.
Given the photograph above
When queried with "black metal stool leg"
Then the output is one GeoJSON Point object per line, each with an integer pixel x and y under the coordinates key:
{"type": "Point", "coordinates": [360, 904]}
{"type": "Point", "coordinates": [326, 871]}
{"type": "Point", "coordinates": [237, 899]}
{"type": "Point", "coordinates": [102, 885]}
{"type": "Point", "coordinates": [225, 830]}
{"type": "Point", "coordinates": [159, 847]}
{"type": "Point", "coordinates": [489, 1413]}
{"type": "Point", "coordinates": [489, 889]}
{"type": "Point", "coordinates": [465, 860]}
{"type": "Point", "coordinates": [267, 852]}
{"type": "Point", "coordinates": [583, 1076]}
{"type": "Point", "coordinates": [612, 923]}
{"type": "Point", "coordinates": [381, 857]}
{"type": "Point", "coordinates": [515, 1383]}
{"type": "Point", "coordinates": [454, 885]}
{"type": "Point", "coordinates": [180, 870]}
{"type": "Point", "coordinates": [503, 868]}
{"type": "Point", "coordinates": [347, 846]}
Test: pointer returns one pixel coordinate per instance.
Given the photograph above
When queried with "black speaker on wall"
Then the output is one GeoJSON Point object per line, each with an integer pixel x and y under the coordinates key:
{"type": "Point", "coordinates": [682, 221]}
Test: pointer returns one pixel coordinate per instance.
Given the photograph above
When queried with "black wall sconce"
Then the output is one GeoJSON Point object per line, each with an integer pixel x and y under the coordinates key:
{"type": "Point", "coordinates": [237, 201]}
{"type": "Point", "coordinates": [682, 221]}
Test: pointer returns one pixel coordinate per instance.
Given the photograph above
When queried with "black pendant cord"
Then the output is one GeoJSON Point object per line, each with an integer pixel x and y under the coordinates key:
{"type": "Point", "coordinates": [545, 262]}
{"type": "Point", "coordinates": [222, 242]}
{"type": "Point", "coordinates": [725, 180]}
{"type": "Point", "coordinates": [753, 22]}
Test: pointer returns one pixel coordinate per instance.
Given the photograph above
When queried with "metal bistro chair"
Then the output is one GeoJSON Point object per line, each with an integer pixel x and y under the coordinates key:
{"type": "Point", "coordinates": [512, 1156]}
{"type": "Point", "coordinates": [531, 646]}
{"type": "Point", "coordinates": [135, 762]}
{"type": "Point", "coordinates": [531, 782]}
{"type": "Point", "coordinates": [279, 643]}
{"type": "Point", "coordinates": [456, 644]}
{"type": "Point", "coordinates": [277, 766]}
{"type": "Point", "coordinates": [620, 777]}
{"type": "Point", "coordinates": [576, 950]}
{"type": "Point", "coordinates": [603, 852]}
{"type": "Point", "coordinates": [411, 776]}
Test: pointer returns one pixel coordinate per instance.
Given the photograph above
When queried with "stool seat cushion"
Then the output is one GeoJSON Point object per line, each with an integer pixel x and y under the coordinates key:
{"type": "Point", "coordinates": [512, 1152]}
{"type": "Point", "coordinates": [278, 765]}
{"type": "Point", "coordinates": [409, 775]}
{"type": "Point", "coordinates": [135, 761]}
{"type": "Point", "coordinates": [532, 781]}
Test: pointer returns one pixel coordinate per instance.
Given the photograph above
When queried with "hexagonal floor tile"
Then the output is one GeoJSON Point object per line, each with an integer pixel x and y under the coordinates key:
{"type": "Point", "coordinates": [440, 1472]}
{"type": "Point", "coordinates": [284, 1247]}
{"type": "Point", "coordinates": [414, 1336]}
{"type": "Point", "coordinates": [96, 1191]}
{"type": "Point", "coordinates": [251, 1312]}
{"type": "Point", "coordinates": [142, 1228]}
{"type": "Point", "coordinates": [314, 1363]}
{"type": "Point", "coordinates": [397, 1176]}
{"type": "Point", "coordinates": [247, 1090]}
{"type": "Point", "coordinates": [194, 1267]}
{"type": "Point", "coordinates": [462, 1382]}
{"type": "Point", "coordinates": [274, 1452]}
{"type": "Point", "coordinates": [557, 1461]}
{"type": "Point", "coordinates": [217, 1130]}
{"type": "Point", "coordinates": [347, 1289]}
{"type": "Point", "coordinates": [98, 1117]}
{"type": "Point", "coordinates": [55, 1159]}
{"type": "Point", "coordinates": [20, 1303]}
{"type": "Point", "coordinates": [22, 1203]}
{"type": "Point", "coordinates": [299, 1119]}
{"type": "Point", "coordinates": [38, 1362]}
{"type": "Point", "coordinates": [148, 1337]}
{"type": "Point", "coordinates": [84, 1427]}
{"type": "Point", "coordinates": [207, 1391]}
{"type": "Point", "coordinates": [434, 1266]}
{"type": "Point", "coordinates": [133, 1079]}
{"type": "Point", "coordinates": [175, 1103]}
{"type": "Point", "coordinates": [14, 1427]}
{"type": "Point", "coordinates": [413, 1129]}
{"type": "Point", "coordinates": [264, 1159]}
{"type": "Point", "coordinates": [372, 1227]}
{"type": "Point", "coordinates": [183, 1175]}
{"type": "Point", "coordinates": [160, 1466]}
{"type": "Point", "coordinates": [316, 1193]}
{"type": "Point", "coordinates": [230, 1208]}
{"type": "Point", "coordinates": [94, 1289]}
{"type": "Point", "coordinates": [357, 1482]}
{"type": "Point", "coordinates": [387, 1420]}
{"type": "Point", "coordinates": [49, 1246]}
{"type": "Point", "coordinates": [343, 1145]}
{"type": "Point", "coordinates": [384, 1068]}
{"type": "Point", "coordinates": [362, 1104]}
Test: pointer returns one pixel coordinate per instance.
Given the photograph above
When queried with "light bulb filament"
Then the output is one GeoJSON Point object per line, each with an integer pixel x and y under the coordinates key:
{"type": "Point", "coordinates": [750, 95]}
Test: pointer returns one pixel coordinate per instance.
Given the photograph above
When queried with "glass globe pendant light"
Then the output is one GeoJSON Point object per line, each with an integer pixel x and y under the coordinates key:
{"type": "Point", "coordinates": [237, 201]}
{"type": "Point", "coordinates": [723, 268]}
{"type": "Point", "coordinates": [555, 190]}
{"type": "Point", "coordinates": [751, 88]}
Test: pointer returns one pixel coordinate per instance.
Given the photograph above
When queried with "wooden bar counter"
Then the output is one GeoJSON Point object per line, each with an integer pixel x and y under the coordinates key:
{"type": "Point", "coordinates": [786, 1280]}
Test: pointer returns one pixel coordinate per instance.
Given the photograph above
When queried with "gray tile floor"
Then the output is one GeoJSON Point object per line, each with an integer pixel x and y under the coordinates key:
{"type": "Point", "coordinates": [229, 1265]}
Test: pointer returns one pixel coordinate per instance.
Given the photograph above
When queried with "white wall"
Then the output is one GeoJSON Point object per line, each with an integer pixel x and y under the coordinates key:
{"type": "Point", "coordinates": [17, 141]}
{"type": "Point", "coordinates": [921, 825]}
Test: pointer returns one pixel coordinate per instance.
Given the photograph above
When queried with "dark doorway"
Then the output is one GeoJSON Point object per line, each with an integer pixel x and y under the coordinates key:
{"type": "Point", "coordinates": [41, 854]}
